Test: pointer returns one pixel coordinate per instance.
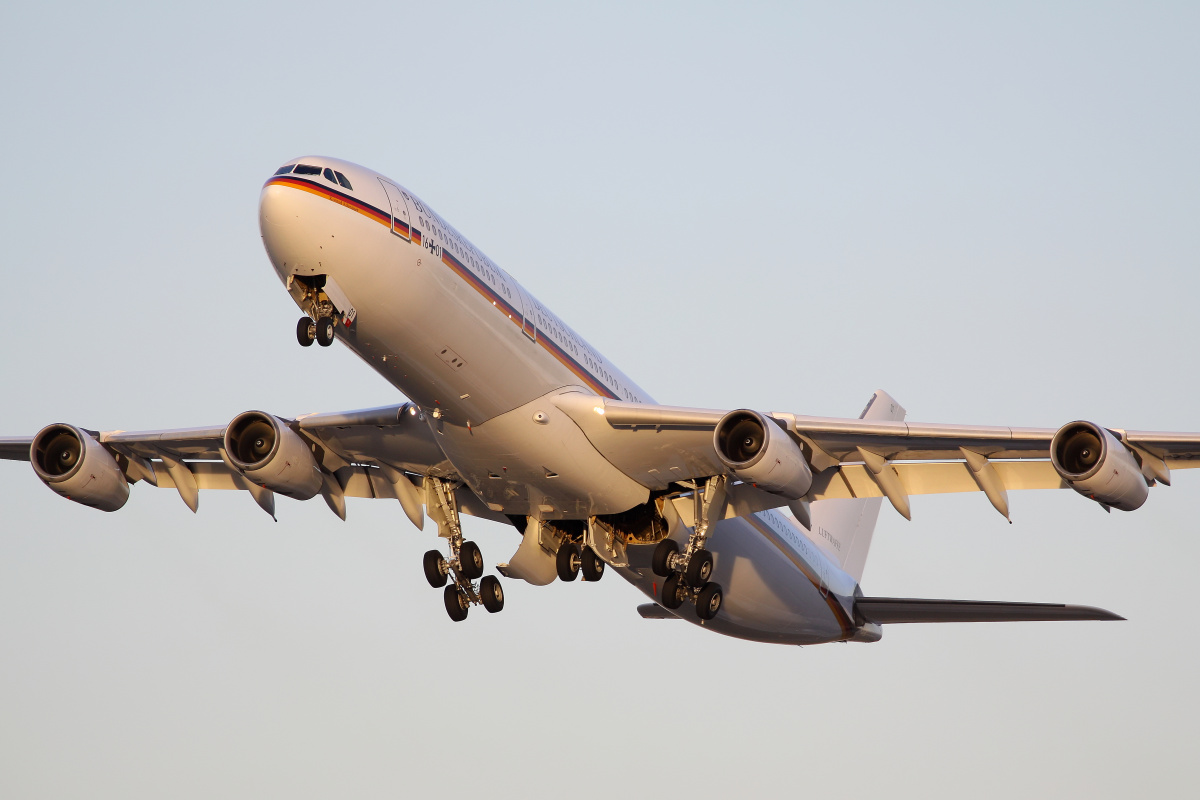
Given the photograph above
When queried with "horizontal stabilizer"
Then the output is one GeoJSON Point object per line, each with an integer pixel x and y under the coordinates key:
{"type": "Point", "coordinates": [892, 610]}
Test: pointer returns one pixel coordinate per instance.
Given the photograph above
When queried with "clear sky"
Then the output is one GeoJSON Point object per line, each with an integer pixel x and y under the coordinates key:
{"type": "Point", "coordinates": [990, 212]}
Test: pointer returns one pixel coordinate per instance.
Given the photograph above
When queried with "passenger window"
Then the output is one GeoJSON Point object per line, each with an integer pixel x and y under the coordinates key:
{"type": "Point", "coordinates": [342, 180]}
{"type": "Point", "coordinates": [284, 170]}
{"type": "Point", "coordinates": [305, 169]}
{"type": "Point", "coordinates": [329, 176]}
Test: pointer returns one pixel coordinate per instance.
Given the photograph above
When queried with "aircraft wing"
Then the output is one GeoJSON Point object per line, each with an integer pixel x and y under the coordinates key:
{"type": "Point", "coordinates": [375, 453]}
{"type": "Point", "coordinates": [856, 458]}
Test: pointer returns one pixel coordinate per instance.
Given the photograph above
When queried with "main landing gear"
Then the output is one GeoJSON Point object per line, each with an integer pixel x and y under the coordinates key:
{"type": "Point", "coordinates": [687, 572]}
{"type": "Point", "coordinates": [465, 564]}
{"type": "Point", "coordinates": [573, 559]}
{"type": "Point", "coordinates": [322, 331]}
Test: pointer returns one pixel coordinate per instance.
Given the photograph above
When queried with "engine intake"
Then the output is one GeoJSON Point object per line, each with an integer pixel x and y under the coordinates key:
{"type": "Point", "coordinates": [1096, 464]}
{"type": "Point", "coordinates": [758, 451]}
{"type": "Point", "coordinates": [76, 466]}
{"type": "Point", "coordinates": [271, 454]}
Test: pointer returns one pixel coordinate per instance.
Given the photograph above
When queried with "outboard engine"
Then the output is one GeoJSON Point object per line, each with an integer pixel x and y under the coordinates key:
{"type": "Point", "coordinates": [1096, 464]}
{"type": "Point", "coordinates": [73, 464]}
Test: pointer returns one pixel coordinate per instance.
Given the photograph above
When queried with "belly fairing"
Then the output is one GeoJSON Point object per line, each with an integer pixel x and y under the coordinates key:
{"type": "Point", "coordinates": [767, 598]}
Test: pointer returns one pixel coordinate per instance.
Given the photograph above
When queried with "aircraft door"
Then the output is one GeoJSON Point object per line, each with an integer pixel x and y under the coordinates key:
{"type": "Point", "coordinates": [401, 221]}
{"type": "Point", "coordinates": [528, 319]}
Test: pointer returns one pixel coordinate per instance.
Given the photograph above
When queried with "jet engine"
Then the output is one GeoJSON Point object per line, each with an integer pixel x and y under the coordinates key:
{"type": "Point", "coordinates": [73, 464]}
{"type": "Point", "coordinates": [1096, 464]}
{"type": "Point", "coordinates": [271, 454]}
{"type": "Point", "coordinates": [758, 451]}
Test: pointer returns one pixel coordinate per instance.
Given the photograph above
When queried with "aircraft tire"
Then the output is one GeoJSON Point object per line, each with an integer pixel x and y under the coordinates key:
{"type": "Point", "coordinates": [305, 332]}
{"type": "Point", "coordinates": [435, 569]}
{"type": "Point", "coordinates": [566, 563]}
{"type": "Point", "coordinates": [662, 555]}
{"type": "Point", "coordinates": [456, 605]}
{"type": "Point", "coordinates": [470, 560]}
{"type": "Point", "coordinates": [708, 601]}
{"type": "Point", "coordinates": [326, 331]}
{"type": "Point", "coordinates": [700, 568]}
{"type": "Point", "coordinates": [592, 566]}
{"type": "Point", "coordinates": [670, 592]}
{"type": "Point", "coordinates": [492, 594]}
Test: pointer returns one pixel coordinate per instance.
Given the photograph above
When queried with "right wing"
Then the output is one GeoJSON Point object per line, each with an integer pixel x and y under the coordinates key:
{"type": "Point", "coordinates": [377, 453]}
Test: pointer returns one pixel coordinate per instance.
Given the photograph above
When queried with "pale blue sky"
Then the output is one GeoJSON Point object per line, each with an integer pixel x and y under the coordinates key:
{"type": "Point", "coordinates": [988, 211]}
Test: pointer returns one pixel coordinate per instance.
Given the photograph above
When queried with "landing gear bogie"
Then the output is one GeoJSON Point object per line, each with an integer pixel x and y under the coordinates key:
{"type": "Point", "coordinates": [688, 570]}
{"type": "Point", "coordinates": [465, 564]}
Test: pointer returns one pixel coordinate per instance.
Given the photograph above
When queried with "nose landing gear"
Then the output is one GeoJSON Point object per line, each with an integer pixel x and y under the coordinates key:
{"type": "Point", "coordinates": [687, 573]}
{"type": "Point", "coordinates": [465, 564]}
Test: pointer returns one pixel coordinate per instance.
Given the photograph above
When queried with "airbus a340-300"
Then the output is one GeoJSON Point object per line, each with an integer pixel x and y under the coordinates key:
{"type": "Point", "coordinates": [513, 417]}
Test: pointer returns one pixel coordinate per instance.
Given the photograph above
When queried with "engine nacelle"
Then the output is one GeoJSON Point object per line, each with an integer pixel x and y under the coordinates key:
{"type": "Point", "coordinates": [1096, 464]}
{"type": "Point", "coordinates": [76, 466]}
{"type": "Point", "coordinates": [271, 454]}
{"type": "Point", "coordinates": [758, 451]}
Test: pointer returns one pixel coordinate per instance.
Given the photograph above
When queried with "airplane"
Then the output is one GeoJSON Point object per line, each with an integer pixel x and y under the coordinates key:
{"type": "Point", "coordinates": [510, 416]}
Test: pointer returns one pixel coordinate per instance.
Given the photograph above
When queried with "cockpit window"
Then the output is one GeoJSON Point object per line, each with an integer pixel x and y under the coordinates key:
{"type": "Point", "coordinates": [284, 170]}
{"type": "Point", "coordinates": [342, 180]}
{"type": "Point", "coordinates": [329, 175]}
{"type": "Point", "coordinates": [305, 169]}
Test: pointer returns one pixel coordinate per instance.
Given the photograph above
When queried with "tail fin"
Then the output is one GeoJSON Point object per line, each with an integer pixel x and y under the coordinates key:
{"type": "Point", "coordinates": [843, 528]}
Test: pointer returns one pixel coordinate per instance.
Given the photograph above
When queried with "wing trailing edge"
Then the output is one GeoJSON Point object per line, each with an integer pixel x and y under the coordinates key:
{"type": "Point", "coordinates": [895, 610]}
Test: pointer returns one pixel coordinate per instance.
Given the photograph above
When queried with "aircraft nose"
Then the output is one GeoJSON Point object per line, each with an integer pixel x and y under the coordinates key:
{"type": "Point", "coordinates": [285, 234]}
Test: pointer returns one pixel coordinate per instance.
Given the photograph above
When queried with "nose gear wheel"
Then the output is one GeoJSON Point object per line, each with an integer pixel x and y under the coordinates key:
{"type": "Point", "coordinates": [306, 331]}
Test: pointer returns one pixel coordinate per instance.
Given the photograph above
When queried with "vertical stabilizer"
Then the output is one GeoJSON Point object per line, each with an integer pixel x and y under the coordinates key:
{"type": "Point", "coordinates": [843, 528]}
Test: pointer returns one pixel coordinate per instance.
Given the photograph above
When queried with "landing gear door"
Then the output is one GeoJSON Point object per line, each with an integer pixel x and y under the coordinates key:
{"type": "Point", "coordinates": [401, 222]}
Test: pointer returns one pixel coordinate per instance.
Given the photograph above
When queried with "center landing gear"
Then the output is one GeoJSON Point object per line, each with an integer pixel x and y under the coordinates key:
{"type": "Point", "coordinates": [687, 573]}
{"type": "Point", "coordinates": [323, 331]}
{"type": "Point", "coordinates": [573, 559]}
{"type": "Point", "coordinates": [465, 564]}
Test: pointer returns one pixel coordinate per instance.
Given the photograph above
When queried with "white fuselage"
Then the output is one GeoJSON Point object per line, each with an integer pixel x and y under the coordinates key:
{"type": "Point", "coordinates": [484, 359]}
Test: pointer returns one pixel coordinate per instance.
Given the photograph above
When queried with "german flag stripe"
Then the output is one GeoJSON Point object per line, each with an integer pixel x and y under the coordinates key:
{"type": "Point", "coordinates": [385, 218]}
{"type": "Point", "coordinates": [329, 193]}
{"type": "Point", "coordinates": [831, 600]}
{"type": "Point", "coordinates": [515, 316]}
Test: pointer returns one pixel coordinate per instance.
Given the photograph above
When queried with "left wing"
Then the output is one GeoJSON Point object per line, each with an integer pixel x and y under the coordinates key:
{"type": "Point", "coordinates": [846, 458]}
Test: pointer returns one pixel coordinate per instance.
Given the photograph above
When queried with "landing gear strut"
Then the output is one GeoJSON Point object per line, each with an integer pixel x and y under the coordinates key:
{"type": "Point", "coordinates": [465, 564]}
{"type": "Point", "coordinates": [687, 572]}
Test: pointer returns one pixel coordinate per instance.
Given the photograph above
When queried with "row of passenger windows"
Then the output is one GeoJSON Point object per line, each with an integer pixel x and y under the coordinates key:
{"type": "Point", "coordinates": [307, 169]}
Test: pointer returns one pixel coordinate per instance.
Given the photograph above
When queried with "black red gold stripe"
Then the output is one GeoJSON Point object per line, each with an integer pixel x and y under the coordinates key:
{"type": "Point", "coordinates": [517, 319]}
{"type": "Point", "coordinates": [329, 193]}
{"type": "Point", "coordinates": [516, 316]}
